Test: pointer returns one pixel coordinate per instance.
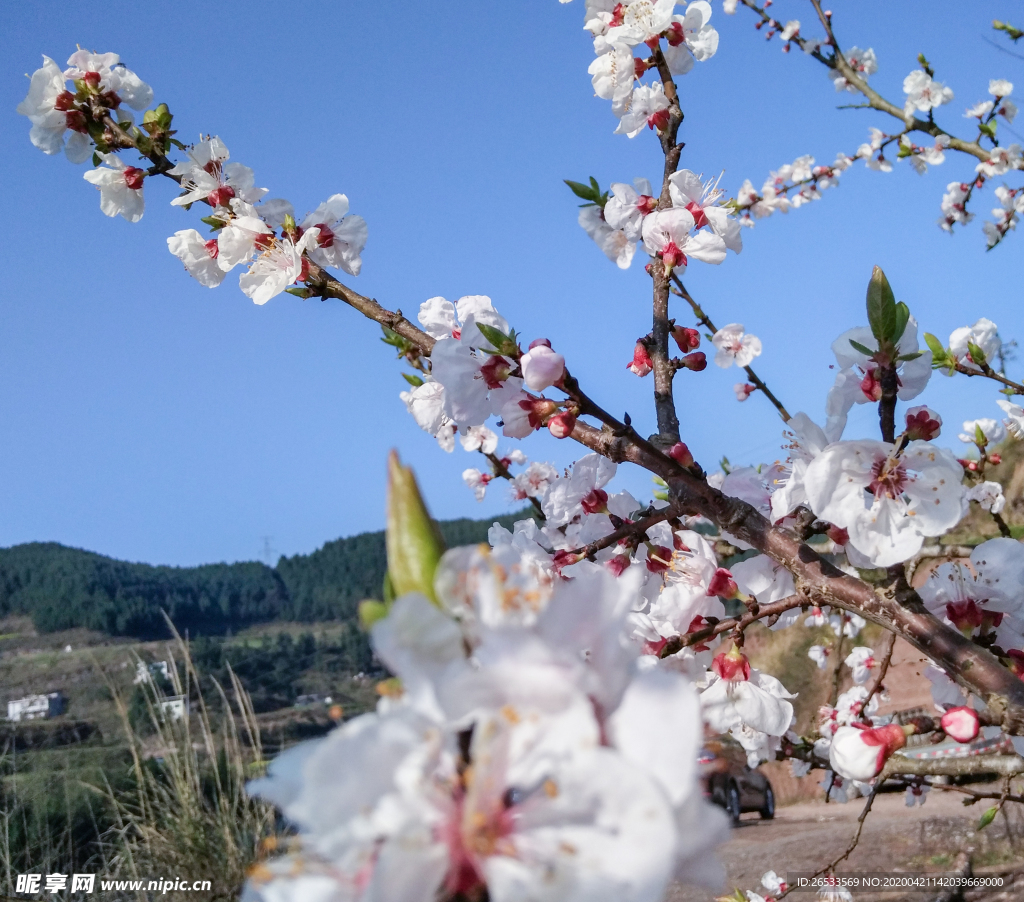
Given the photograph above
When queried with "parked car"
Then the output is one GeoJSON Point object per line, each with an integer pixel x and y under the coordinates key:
{"type": "Point", "coordinates": [730, 783]}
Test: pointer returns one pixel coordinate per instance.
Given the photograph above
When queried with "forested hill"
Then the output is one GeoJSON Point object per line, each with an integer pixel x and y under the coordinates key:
{"type": "Point", "coordinates": [61, 588]}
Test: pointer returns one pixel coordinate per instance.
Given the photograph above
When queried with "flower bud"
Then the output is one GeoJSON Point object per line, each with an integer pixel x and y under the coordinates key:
{"type": "Point", "coordinates": [995, 459]}
{"type": "Point", "coordinates": [565, 558]}
{"type": "Point", "coordinates": [414, 542]}
{"type": "Point", "coordinates": [961, 724]}
{"type": "Point", "coordinates": [743, 390]}
{"type": "Point", "coordinates": [723, 585]}
{"type": "Point", "coordinates": [861, 754]}
{"type": "Point", "coordinates": [696, 361]}
{"type": "Point", "coordinates": [65, 101]}
{"type": "Point", "coordinates": [687, 339]}
{"type": "Point", "coordinates": [923, 424]}
{"type": "Point", "coordinates": [596, 502]}
{"type": "Point", "coordinates": [537, 342]}
{"type": "Point", "coordinates": [870, 385]}
{"type": "Point", "coordinates": [641, 364]}
{"type": "Point", "coordinates": [681, 454]}
{"type": "Point", "coordinates": [562, 424]}
{"type": "Point", "coordinates": [542, 367]}
{"type": "Point", "coordinates": [732, 665]}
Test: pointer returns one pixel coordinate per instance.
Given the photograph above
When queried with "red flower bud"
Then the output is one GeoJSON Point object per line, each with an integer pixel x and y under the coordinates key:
{"type": "Point", "coordinates": [961, 724]}
{"type": "Point", "coordinates": [92, 79]}
{"type": "Point", "coordinates": [687, 339]}
{"type": "Point", "coordinates": [681, 454]}
{"type": "Point", "coordinates": [537, 342]}
{"type": "Point", "coordinates": [658, 121]}
{"type": "Point", "coordinates": [65, 101]}
{"type": "Point", "coordinates": [696, 361]}
{"type": "Point", "coordinates": [641, 364]}
{"type": "Point", "coordinates": [562, 424]}
{"type": "Point", "coordinates": [565, 559]}
{"type": "Point", "coordinates": [995, 459]}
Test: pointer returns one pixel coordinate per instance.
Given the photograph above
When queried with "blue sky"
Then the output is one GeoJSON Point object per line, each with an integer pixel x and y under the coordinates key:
{"type": "Point", "coordinates": [152, 419]}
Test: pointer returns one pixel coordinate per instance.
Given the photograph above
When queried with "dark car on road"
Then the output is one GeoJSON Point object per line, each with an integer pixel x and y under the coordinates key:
{"type": "Point", "coordinates": [730, 783]}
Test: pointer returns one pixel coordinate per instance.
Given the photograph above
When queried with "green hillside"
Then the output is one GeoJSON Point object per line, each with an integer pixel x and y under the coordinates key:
{"type": "Point", "coordinates": [63, 588]}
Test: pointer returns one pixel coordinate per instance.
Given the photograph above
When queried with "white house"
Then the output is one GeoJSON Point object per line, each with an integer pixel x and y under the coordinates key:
{"type": "Point", "coordinates": [36, 707]}
{"type": "Point", "coordinates": [173, 707]}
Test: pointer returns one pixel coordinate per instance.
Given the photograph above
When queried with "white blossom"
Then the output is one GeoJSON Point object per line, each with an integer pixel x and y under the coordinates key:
{"type": "Point", "coordinates": [735, 346]}
{"type": "Point", "coordinates": [120, 188]}
{"type": "Point", "coordinates": [887, 501]}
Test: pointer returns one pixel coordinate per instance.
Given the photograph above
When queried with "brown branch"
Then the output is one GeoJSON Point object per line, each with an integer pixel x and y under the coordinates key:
{"type": "Point", "coordinates": [1003, 765]}
{"type": "Point", "coordinates": [975, 793]}
{"type": "Point", "coordinates": [837, 673]}
{"type": "Point", "coordinates": [890, 385]}
{"type": "Point", "coordinates": [989, 373]}
{"type": "Point", "coordinates": [677, 643]}
{"type": "Point", "coordinates": [973, 667]}
{"type": "Point", "coordinates": [913, 124]}
{"type": "Point", "coordinates": [705, 321]}
{"type": "Point", "coordinates": [627, 530]}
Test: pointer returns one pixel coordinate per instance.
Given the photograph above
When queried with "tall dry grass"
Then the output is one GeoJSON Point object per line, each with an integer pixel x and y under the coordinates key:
{"type": "Point", "coordinates": [188, 816]}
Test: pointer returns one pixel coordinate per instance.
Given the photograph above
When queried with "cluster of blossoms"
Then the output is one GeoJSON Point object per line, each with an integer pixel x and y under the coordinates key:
{"type": "Point", "coordinates": [789, 186]}
{"type": "Point", "coordinates": [264, 236]}
{"type": "Point", "coordinates": [695, 225]}
{"type": "Point", "coordinates": [529, 749]}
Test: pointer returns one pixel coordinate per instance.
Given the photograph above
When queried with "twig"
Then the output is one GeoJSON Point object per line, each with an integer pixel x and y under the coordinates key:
{"type": "Point", "coordinates": [502, 472]}
{"type": "Point", "coordinates": [705, 321]}
{"type": "Point", "coordinates": [883, 668]}
{"type": "Point", "coordinates": [831, 866]}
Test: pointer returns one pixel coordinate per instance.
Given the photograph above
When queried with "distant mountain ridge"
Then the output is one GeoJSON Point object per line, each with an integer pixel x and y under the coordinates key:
{"type": "Point", "coordinates": [63, 588]}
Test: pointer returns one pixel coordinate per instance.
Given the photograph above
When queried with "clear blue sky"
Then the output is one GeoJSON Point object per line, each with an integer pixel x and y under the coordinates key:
{"type": "Point", "coordinates": [152, 419]}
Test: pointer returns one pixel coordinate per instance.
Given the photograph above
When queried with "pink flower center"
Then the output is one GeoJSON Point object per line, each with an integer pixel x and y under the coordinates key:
{"type": "Point", "coordinates": [326, 238]}
{"type": "Point", "coordinates": [133, 178]}
{"type": "Point", "coordinates": [699, 219]}
{"type": "Point", "coordinates": [889, 477]}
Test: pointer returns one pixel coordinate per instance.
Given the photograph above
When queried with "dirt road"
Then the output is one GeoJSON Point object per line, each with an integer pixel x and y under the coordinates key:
{"type": "Point", "coordinates": [806, 836]}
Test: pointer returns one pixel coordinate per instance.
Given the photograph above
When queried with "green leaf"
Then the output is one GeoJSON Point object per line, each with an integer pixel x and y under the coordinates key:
{"type": "Point", "coordinates": [988, 817]}
{"type": "Point", "coordinates": [902, 318]}
{"type": "Point", "coordinates": [988, 128]}
{"type": "Point", "coordinates": [213, 222]}
{"type": "Point", "coordinates": [586, 192]}
{"type": "Point", "coordinates": [979, 436]}
{"type": "Point", "coordinates": [413, 539]}
{"type": "Point", "coordinates": [903, 152]}
{"type": "Point", "coordinates": [977, 354]}
{"type": "Point", "coordinates": [502, 343]}
{"type": "Point", "coordinates": [96, 159]}
{"type": "Point", "coordinates": [864, 349]}
{"type": "Point", "coordinates": [595, 185]}
{"type": "Point", "coordinates": [300, 292]}
{"type": "Point", "coordinates": [935, 346]}
{"type": "Point", "coordinates": [412, 379]}
{"type": "Point", "coordinates": [661, 496]}
{"type": "Point", "coordinates": [881, 306]}
{"type": "Point", "coordinates": [725, 465]}
{"type": "Point", "coordinates": [904, 358]}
